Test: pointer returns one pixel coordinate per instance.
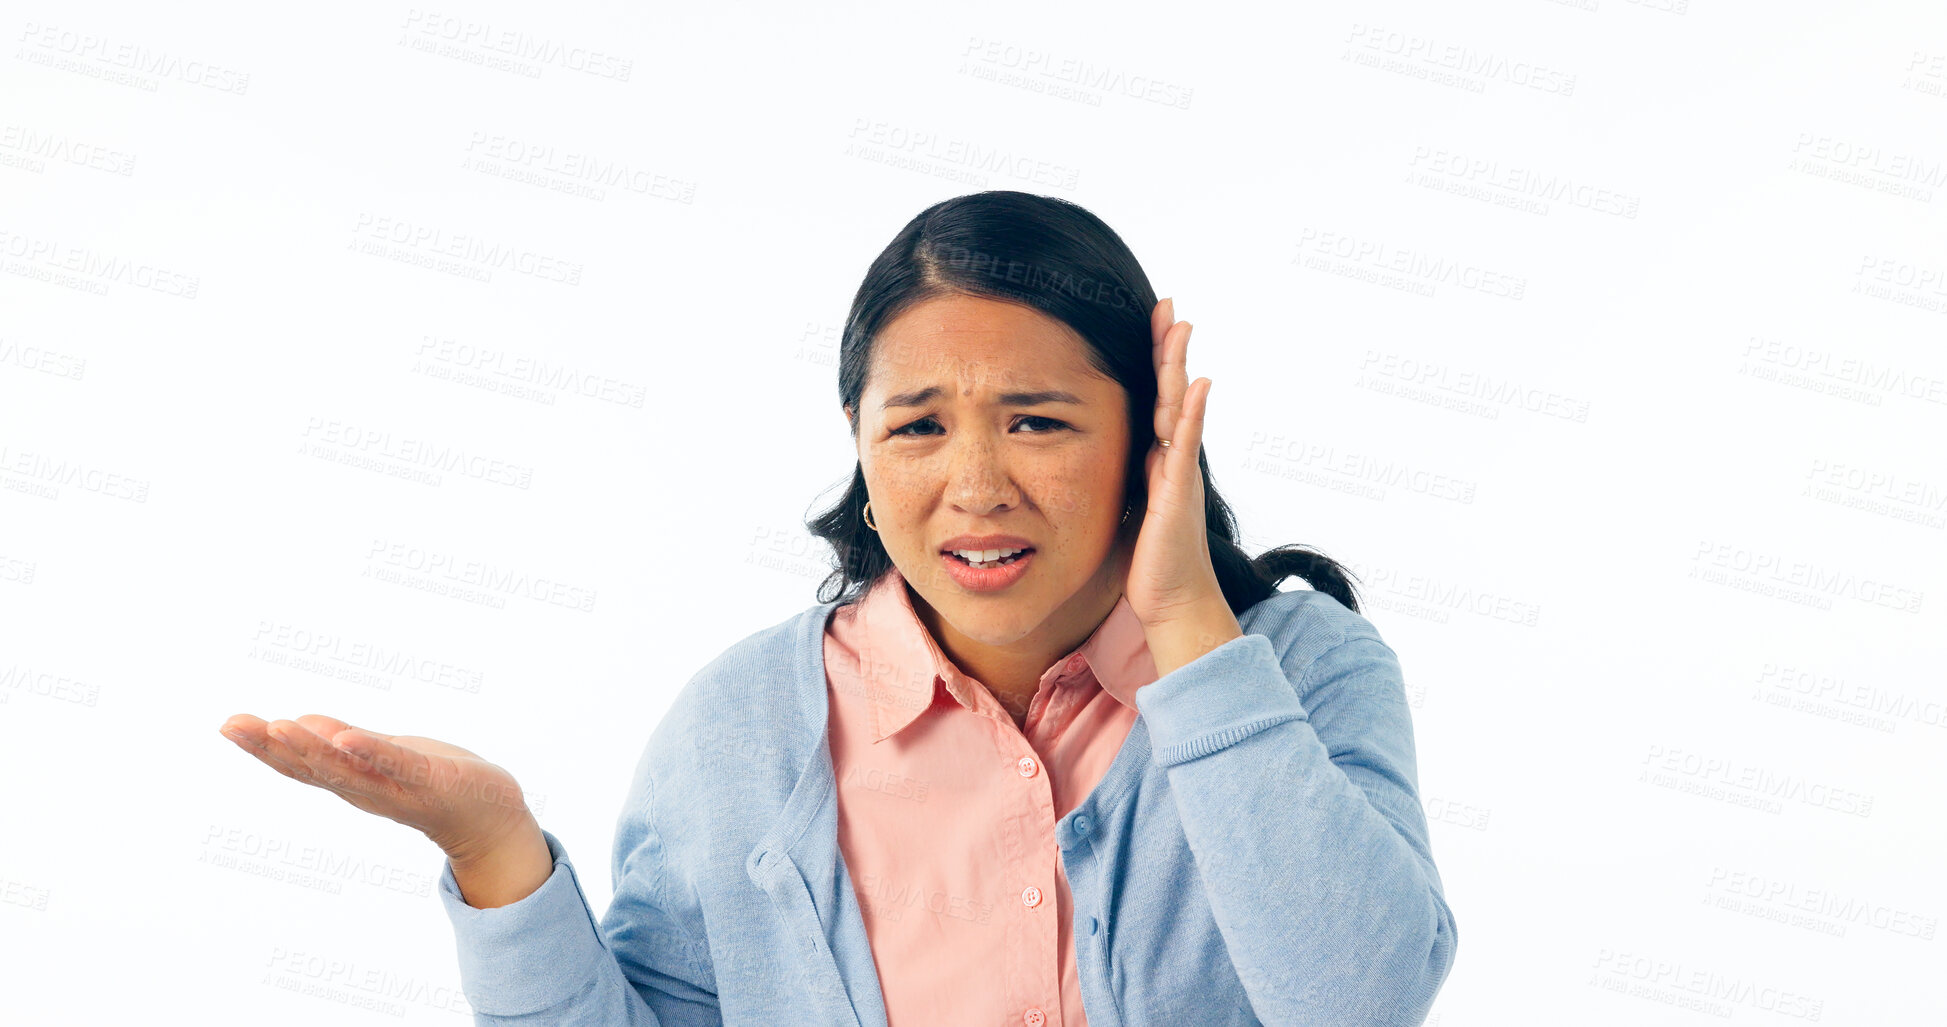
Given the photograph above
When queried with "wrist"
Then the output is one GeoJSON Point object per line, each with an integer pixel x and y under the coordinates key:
{"type": "Point", "coordinates": [506, 871]}
{"type": "Point", "coordinates": [481, 850]}
{"type": "Point", "coordinates": [1185, 637]}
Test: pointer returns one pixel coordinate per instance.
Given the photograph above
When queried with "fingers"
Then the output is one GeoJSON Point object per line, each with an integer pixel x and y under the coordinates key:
{"type": "Point", "coordinates": [367, 750]}
{"type": "Point", "coordinates": [251, 734]}
{"type": "Point", "coordinates": [298, 753]}
{"type": "Point", "coordinates": [330, 753]}
{"type": "Point", "coordinates": [321, 725]}
{"type": "Point", "coordinates": [358, 743]}
{"type": "Point", "coordinates": [248, 734]}
{"type": "Point", "coordinates": [1172, 380]}
{"type": "Point", "coordinates": [1189, 435]}
{"type": "Point", "coordinates": [1175, 420]}
{"type": "Point", "coordinates": [329, 766]}
{"type": "Point", "coordinates": [392, 756]}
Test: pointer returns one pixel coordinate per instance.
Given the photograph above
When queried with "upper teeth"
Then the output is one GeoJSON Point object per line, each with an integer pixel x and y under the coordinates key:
{"type": "Point", "coordinates": [984, 555]}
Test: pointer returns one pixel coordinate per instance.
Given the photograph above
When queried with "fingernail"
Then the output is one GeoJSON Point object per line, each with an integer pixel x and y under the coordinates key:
{"type": "Point", "coordinates": [1169, 309]}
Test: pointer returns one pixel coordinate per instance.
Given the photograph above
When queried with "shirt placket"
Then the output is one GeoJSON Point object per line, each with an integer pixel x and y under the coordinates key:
{"type": "Point", "coordinates": [1041, 898]}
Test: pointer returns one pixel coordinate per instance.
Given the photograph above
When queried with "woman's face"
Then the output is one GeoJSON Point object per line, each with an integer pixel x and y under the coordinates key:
{"type": "Point", "coordinates": [950, 446]}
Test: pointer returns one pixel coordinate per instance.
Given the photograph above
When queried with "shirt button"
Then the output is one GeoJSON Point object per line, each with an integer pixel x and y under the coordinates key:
{"type": "Point", "coordinates": [1034, 1018]}
{"type": "Point", "coordinates": [1031, 896]}
{"type": "Point", "coordinates": [1026, 766]}
{"type": "Point", "coordinates": [1081, 826]}
{"type": "Point", "coordinates": [1091, 926]}
{"type": "Point", "coordinates": [1075, 664]}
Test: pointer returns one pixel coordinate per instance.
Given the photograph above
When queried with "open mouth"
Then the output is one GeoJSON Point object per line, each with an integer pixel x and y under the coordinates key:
{"type": "Point", "coordinates": [1002, 561]}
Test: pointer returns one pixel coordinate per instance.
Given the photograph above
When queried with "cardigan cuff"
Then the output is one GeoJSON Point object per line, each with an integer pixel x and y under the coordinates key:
{"type": "Point", "coordinates": [1217, 700]}
{"type": "Point", "coordinates": [530, 955]}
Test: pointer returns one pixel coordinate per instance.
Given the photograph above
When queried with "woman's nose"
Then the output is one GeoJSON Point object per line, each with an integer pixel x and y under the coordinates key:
{"type": "Point", "coordinates": [980, 478]}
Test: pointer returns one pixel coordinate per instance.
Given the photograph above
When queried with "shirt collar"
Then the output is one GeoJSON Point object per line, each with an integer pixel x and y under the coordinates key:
{"type": "Point", "coordinates": [903, 666]}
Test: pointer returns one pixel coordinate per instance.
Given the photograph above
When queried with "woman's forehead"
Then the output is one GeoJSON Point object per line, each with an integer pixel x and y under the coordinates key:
{"type": "Point", "coordinates": [970, 357]}
{"type": "Point", "coordinates": [962, 313]}
{"type": "Point", "coordinates": [912, 374]}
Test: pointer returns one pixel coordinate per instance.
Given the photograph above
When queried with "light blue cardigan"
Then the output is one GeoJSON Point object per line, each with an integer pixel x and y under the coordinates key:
{"type": "Point", "coordinates": [1256, 853]}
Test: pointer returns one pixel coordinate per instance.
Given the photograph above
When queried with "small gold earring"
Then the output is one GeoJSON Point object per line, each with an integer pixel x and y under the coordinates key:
{"type": "Point", "coordinates": [868, 516]}
{"type": "Point", "coordinates": [1125, 515]}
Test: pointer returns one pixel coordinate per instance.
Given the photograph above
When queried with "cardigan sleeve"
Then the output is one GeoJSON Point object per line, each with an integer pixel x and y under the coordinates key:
{"type": "Point", "coordinates": [546, 960]}
{"type": "Point", "coordinates": [1305, 820]}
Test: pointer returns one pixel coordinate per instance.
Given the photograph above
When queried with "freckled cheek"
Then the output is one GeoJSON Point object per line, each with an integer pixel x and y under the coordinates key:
{"type": "Point", "coordinates": [900, 485]}
{"type": "Point", "coordinates": [1074, 496]}
{"type": "Point", "coordinates": [1069, 492]}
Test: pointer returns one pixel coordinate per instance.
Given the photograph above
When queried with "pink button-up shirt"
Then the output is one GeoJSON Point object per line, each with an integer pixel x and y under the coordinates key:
{"type": "Point", "coordinates": [946, 810]}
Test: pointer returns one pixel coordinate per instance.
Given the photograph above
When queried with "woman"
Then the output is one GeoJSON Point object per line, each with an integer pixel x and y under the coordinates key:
{"type": "Point", "coordinates": [1050, 750]}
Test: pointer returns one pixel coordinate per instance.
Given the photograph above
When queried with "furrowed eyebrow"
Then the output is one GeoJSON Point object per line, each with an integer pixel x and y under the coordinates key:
{"type": "Point", "coordinates": [919, 397]}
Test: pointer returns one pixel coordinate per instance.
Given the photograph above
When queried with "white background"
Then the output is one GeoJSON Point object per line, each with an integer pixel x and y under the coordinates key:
{"type": "Point", "coordinates": [1604, 340]}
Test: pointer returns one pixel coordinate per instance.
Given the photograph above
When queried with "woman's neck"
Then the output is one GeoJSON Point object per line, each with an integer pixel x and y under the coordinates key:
{"type": "Point", "coordinates": [1012, 673]}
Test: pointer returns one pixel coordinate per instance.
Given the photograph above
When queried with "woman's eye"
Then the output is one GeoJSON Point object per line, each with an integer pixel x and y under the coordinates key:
{"type": "Point", "coordinates": [1044, 420]}
{"type": "Point", "coordinates": [1057, 425]}
{"type": "Point", "coordinates": [908, 428]}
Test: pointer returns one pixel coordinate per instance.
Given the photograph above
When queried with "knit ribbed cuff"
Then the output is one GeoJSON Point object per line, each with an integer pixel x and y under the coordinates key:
{"type": "Point", "coordinates": [1217, 700]}
{"type": "Point", "coordinates": [530, 955]}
